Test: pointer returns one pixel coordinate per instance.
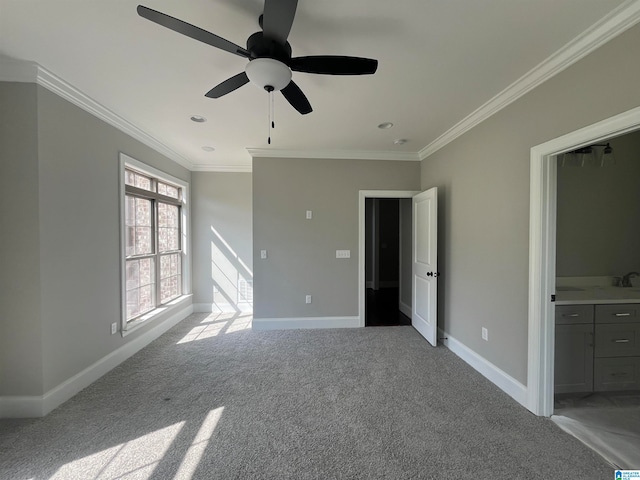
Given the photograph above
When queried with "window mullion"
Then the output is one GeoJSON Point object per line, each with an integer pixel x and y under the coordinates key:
{"type": "Point", "coordinates": [156, 246]}
{"type": "Point", "coordinates": [139, 257]}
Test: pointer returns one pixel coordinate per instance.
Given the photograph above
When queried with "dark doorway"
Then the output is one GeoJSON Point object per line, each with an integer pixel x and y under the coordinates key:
{"type": "Point", "coordinates": [381, 308]}
{"type": "Point", "coordinates": [384, 261]}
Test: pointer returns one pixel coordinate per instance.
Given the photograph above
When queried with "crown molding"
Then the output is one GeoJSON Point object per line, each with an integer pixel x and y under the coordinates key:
{"type": "Point", "coordinates": [30, 72]}
{"type": "Point", "coordinates": [610, 26]}
{"type": "Point", "coordinates": [333, 154]}
{"type": "Point", "coordinates": [201, 167]}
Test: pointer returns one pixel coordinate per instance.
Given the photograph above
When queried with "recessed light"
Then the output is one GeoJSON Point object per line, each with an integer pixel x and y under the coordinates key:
{"type": "Point", "coordinates": [400, 141]}
{"type": "Point", "coordinates": [385, 125]}
{"type": "Point", "coordinates": [207, 148]}
{"type": "Point", "coordinates": [198, 119]}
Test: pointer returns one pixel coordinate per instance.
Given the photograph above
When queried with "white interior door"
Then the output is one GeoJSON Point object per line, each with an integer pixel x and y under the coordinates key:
{"type": "Point", "coordinates": [425, 265]}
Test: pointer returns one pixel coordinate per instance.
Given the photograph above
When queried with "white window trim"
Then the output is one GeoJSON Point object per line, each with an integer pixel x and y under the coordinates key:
{"type": "Point", "coordinates": [127, 327]}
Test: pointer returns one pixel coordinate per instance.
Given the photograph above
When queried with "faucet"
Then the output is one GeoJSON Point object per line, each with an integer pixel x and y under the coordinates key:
{"type": "Point", "coordinates": [626, 280]}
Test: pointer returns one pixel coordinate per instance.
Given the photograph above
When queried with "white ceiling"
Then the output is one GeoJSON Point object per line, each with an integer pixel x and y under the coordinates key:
{"type": "Point", "coordinates": [439, 61]}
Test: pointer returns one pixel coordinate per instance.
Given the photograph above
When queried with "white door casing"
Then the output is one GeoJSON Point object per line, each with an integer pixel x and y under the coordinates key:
{"type": "Point", "coordinates": [424, 302]}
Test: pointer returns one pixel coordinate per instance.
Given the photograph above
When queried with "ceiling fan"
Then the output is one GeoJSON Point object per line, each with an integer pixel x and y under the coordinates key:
{"type": "Point", "coordinates": [269, 54]}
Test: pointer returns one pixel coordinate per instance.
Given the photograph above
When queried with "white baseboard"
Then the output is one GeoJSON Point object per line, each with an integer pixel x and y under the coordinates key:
{"type": "Point", "coordinates": [222, 308]}
{"type": "Point", "coordinates": [39, 406]}
{"type": "Point", "coordinates": [406, 309]}
{"type": "Point", "coordinates": [305, 322]}
{"type": "Point", "coordinates": [502, 380]}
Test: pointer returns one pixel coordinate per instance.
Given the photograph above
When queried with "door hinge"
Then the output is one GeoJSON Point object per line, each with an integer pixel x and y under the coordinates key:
{"type": "Point", "coordinates": [553, 298]}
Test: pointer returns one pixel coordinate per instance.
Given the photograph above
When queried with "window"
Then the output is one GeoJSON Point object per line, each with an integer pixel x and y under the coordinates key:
{"type": "Point", "coordinates": [154, 235]}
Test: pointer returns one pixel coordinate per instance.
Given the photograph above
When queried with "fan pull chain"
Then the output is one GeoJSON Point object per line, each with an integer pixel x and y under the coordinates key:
{"type": "Point", "coordinates": [269, 114]}
{"type": "Point", "coordinates": [272, 123]}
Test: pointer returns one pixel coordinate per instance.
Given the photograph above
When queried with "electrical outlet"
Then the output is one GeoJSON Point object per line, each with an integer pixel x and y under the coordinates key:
{"type": "Point", "coordinates": [485, 334]}
{"type": "Point", "coordinates": [343, 253]}
{"type": "Point", "coordinates": [309, 214]}
{"type": "Point", "coordinates": [308, 299]}
{"type": "Point", "coordinates": [114, 328]}
{"type": "Point", "coordinates": [263, 254]}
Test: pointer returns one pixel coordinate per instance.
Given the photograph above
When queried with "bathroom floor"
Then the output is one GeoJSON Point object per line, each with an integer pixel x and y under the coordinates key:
{"type": "Point", "coordinates": [609, 423]}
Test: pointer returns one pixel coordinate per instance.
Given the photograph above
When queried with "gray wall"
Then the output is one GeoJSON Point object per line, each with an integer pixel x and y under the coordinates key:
{"type": "Point", "coordinates": [20, 322]}
{"type": "Point", "coordinates": [483, 180]}
{"type": "Point", "coordinates": [222, 238]}
{"type": "Point", "coordinates": [301, 253]}
{"type": "Point", "coordinates": [598, 221]}
{"type": "Point", "coordinates": [72, 160]}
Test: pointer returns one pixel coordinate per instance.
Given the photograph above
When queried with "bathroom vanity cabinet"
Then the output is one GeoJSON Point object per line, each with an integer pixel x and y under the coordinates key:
{"type": "Point", "coordinates": [597, 348]}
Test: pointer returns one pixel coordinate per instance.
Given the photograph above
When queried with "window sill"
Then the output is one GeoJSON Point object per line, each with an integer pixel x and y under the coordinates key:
{"type": "Point", "coordinates": [160, 312]}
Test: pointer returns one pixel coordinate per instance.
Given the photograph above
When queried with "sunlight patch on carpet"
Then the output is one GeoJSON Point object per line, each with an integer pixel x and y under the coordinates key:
{"type": "Point", "coordinates": [140, 456]}
{"type": "Point", "coordinates": [200, 442]}
{"type": "Point", "coordinates": [218, 323]}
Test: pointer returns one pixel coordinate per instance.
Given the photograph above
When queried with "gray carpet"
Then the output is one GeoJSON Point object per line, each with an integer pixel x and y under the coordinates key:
{"type": "Point", "coordinates": [213, 400]}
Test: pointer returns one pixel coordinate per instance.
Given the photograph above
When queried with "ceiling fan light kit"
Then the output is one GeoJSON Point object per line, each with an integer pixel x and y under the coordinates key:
{"type": "Point", "coordinates": [269, 53]}
{"type": "Point", "coordinates": [269, 74]}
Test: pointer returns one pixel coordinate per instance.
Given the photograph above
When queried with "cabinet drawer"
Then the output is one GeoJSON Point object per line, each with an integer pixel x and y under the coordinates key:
{"type": "Point", "coordinates": [612, 374]}
{"type": "Point", "coordinates": [572, 314]}
{"type": "Point", "coordinates": [622, 313]}
{"type": "Point", "coordinates": [617, 340]}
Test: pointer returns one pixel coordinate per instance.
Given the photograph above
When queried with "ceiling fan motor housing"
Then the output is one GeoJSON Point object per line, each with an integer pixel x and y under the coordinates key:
{"type": "Point", "coordinates": [260, 46]}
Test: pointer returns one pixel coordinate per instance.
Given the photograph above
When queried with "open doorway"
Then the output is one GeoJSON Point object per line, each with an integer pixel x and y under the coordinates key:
{"type": "Point", "coordinates": [388, 261]}
{"type": "Point", "coordinates": [566, 320]}
{"type": "Point", "coordinates": [406, 224]}
{"type": "Point", "coordinates": [597, 312]}
{"type": "Point", "coordinates": [542, 251]}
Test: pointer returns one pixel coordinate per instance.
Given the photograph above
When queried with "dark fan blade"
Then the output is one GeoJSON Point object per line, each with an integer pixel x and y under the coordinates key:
{"type": "Point", "coordinates": [296, 98]}
{"type": "Point", "coordinates": [229, 85]}
{"type": "Point", "coordinates": [191, 31]}
{"type": "Point", "coordinates": [334, 65]}
{"type": "Point", "coordinates": [277, 19]}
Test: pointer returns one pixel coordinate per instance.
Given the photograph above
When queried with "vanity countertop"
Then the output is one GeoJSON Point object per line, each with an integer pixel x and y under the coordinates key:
{"type": "Point", "coordinates": [578, 295]}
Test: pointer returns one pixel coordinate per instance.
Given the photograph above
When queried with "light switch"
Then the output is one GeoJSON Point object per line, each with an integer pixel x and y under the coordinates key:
{"type": "Point", "coordinates": [308, 299]}
{"type": "Point", "coordinates": [263, 254]}
{"type": "Point", "coordinates": [343, 253]}
{"type": "Point", "coordinates": [309, 214]}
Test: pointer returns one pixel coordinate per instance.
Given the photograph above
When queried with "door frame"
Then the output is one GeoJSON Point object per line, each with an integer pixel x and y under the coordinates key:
{"type": "Point", "coordinates": [542, 250]}
{"type": "Point", "coordinates": [362, 195]}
